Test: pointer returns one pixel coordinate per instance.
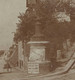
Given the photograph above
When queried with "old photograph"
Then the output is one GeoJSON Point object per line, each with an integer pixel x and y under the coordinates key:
{"type": "Point", "coordinates": [37, 39]}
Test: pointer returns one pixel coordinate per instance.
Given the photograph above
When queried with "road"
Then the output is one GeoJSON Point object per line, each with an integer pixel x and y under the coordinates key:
{"type": "Point", "coordinates": [19, 75]}
{"type": "Point", "coordinates": [2, 63]}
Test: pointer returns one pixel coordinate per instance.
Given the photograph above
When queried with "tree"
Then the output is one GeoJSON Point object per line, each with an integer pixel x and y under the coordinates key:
{"type": "Point", "coordinates": [25, 27]}
{"type": "Point", "coordinates": [55, 31]}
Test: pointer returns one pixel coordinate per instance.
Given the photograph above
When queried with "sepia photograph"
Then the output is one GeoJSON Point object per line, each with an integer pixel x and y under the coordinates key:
{"type": "Point", "coordinates": [37, 39]}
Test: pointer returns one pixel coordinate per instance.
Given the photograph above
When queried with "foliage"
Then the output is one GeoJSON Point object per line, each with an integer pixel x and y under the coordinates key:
{"type": "Point", "coordinates": [55, 32]}
{"type": "Point", "coordinates": [25, 27]}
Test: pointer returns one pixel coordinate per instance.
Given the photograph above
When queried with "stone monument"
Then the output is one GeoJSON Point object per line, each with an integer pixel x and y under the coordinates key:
{"type": "Point", "coordinates": [38, 62]}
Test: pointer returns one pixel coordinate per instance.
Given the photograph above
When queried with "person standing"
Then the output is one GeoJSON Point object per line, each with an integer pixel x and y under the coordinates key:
{"type": "Point", "coordinates": [7, 64]}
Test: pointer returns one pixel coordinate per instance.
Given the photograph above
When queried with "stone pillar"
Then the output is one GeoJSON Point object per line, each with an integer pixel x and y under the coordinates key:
{"type": "Point", "coordinates": [37, 59]}
{"type": "Point", "coordinates": [68, 43]}
{"type": "Point", "coordinates": [20, 55]}
{"type": "Point", "coordinates": [59, 54]}
{"type": "Point", "coordinates": [65, 45]}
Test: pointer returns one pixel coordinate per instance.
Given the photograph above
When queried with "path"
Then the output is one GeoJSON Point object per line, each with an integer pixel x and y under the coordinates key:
{"type": "Point", "coordinates": [2, 63]}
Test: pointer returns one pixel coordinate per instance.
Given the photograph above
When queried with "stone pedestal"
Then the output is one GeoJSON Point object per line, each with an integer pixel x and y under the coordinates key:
{"type": "Point", "coordinates": [37, 51]}
{"type": "Point", "coordinates": [44, 67]}
{"type": "Point", "coordinates": [37, 60]}
{"type": "Point", "coordinates": [39, 67]}
{"type": "Point", "coordinates": [59, 54]}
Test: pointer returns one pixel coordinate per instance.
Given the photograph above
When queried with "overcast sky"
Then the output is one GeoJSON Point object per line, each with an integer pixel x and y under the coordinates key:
{"type": "Point", "coordinates": [9, 10]}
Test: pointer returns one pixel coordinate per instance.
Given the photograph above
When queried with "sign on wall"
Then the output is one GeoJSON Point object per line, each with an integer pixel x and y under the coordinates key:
{"type": "Point", "coordinates": [33, 68]}
{"type": "Point", "coordinates": [37, 54]}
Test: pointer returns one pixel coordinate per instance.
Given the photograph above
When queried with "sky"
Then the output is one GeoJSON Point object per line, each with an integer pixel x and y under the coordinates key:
{"type": "Point", "coordinates": [9, 11]}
